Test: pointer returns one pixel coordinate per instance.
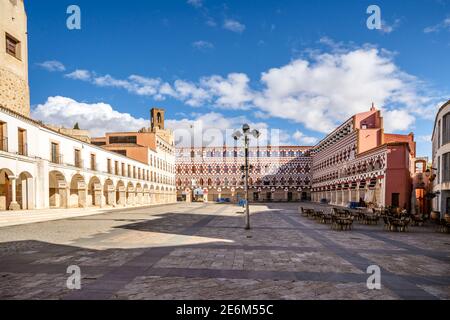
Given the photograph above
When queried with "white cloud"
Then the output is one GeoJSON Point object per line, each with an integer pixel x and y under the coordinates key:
{"type": "Point", "coordinates": [303, 139]}
{"type": "Point", "coordinates": [388, 28]}
{"type": "Point", "coordinates": [231, 92]}
{"type": "Point", "coordinates": [195, 3]}
{"type": "Point", "coordinates": [52, 66]}
{"type": "Point", "coordinates": [424, 138]}
{"type": "Point", "coordinates": [397, 120]}
{"type": "Point", "coordinates": [331, 87]}
{"type": "Point", "coordinates": [233, 25]}
{"type": "Point", "coordinates": [444, 25]}
{"type": "Point", "coordinates": [202, 45]}
{"type": "Point", "coordinates": [78, 74]}
{"type": "Point", "coordinates": [215, 129]}
{"type": "Point", "coordinates": [98, 118]}
{"type": "Point", "coordinates": [319, 91]}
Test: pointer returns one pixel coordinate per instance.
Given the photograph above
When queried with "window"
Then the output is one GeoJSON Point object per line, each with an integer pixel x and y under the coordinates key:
{"type": "Point", "coordinates": [438, 180]}
{"type": "Point", "coordinates": [116, 168]}
{"type": "Point", "coordinates": [395, 200]}
{"type": "Point", "coordinates": [77, 158]}
{"type": "Point", "coordinates": [22, 142]}
{"type": "Point", "coordinates": [123, 139]}
{"type": "Point", "coordinates": [121, 152]}
{"type": "Point", "coordinates": [129, 171]}
{"type": "Point", "coordinates": [446, 129]}
{"type": "Point", "coordinates": [98, 143]}
{"type": "Point", "coordinates": [3, 137]}
{"type": "Point", "coordinates": [55, 157]}
{"type": "Point", "coordinates": [446, 167]}
{"type": "Point", "coordinates": [439, 133]}
{"type": "Point", "coordinates": [93, 162]}
{"type": "Point", "coordinates": [108, 166]}
{"type": "Point", "coordinates": [123, 169]}
{"type": "Point", "coordinates": [12, 46]}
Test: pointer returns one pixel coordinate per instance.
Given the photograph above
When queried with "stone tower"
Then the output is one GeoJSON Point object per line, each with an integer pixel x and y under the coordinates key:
{"type": "Point", "coordinates": [14, 90]}
{"type": "Point", "coordinates": [156, 119]}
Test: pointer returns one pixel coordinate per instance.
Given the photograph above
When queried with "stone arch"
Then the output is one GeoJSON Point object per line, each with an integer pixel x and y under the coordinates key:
{"type": "Point", "coordinates": [120, 193]}
{"type": "Point", "coordinates": [131, 193]}
{"type": "Point", "coordinates": [94, 195]}
{"type": "Point", "coordinates": [146, 194]}
{"type": "Point", "coordinates": [57, 185]}
{"type": "Point", "coordinates": [77, 192]}
{"type": "Point", "coordinates": [139, 194]}
{"type": "Point", "coordinates": [109, 192]}
{"type": "Point", "coordinates": [6, 191]}
{"type": "Point", "coordinates": [25, 190]}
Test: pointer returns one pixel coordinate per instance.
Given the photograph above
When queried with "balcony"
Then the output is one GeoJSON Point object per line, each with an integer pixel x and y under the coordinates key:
{"type": "Point", "coordinates": [78, 163]}
{"type": "Point", "coordinates": [57, 159]}
{"type": "Point", "coordinates": [23, 149]}
{"type": "Point", "coordinates": [4, 144]}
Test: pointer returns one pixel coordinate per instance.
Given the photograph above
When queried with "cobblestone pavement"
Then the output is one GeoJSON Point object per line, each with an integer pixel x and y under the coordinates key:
{"type": "Point", "coordinates": [201, 251]}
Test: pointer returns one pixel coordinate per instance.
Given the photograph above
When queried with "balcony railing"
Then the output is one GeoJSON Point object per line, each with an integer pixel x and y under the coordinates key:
{"type": "Point", "coordinates": [23, 149]}
{"type": "Point", "coordinates": [4, 144]}
{"type": "Point", "coordinates": [57, 158]}
{"type": "Point", "coordinates": [78, 163]}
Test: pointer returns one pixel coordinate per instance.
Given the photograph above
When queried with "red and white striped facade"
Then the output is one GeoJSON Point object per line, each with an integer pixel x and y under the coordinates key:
{"type": "Point", "coordinates": [358, 161]}
{"type": "Point", "coordinates": [276, 173]}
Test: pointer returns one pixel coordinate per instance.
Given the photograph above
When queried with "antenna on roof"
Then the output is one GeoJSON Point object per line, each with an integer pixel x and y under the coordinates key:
{"type": "Point", "coordinates": [373, 107]}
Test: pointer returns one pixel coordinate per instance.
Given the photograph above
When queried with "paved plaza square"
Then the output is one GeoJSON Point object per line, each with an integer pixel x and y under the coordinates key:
{"type": "Point", "coordinates": [201, 251]}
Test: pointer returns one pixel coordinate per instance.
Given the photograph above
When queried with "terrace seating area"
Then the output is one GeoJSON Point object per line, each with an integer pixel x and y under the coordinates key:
{"type": "Point", "coordinates": [393, 219]}
{"type": "Point", "coordinates": [338, 219]}
{"type": "Point", "coordinates": [343, 219]}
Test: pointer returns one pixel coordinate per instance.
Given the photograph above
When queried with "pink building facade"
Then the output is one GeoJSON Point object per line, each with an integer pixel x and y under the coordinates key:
{"type": "Point", "coordinates": [358, 163]}
{"type": "Point", "coordinates": [211, 173]}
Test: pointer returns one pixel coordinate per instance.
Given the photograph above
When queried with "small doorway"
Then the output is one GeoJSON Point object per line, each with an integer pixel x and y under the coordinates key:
{"type": "Point", "coordinates": [395, 200]}
{"type": "Point", "coordinates": [448, 206]}
{"type": "Point", "coordinates": [269, 196]}
{"type": "Point", "coordinates": [289, 196]}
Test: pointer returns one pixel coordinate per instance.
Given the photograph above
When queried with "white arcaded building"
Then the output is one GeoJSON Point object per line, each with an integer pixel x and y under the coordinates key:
{"type": "Point", "coordinates": [42, 167]}
{"type": "Point", "coordinates": [441, 160]}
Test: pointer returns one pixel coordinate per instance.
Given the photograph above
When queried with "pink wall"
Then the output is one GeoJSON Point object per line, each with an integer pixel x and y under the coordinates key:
{"type": "Point", "coordinates": [369, 139]}
{"type": "Point", "coordinates": [398, 178]}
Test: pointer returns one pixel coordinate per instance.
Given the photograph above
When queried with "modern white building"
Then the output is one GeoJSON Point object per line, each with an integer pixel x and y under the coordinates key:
{"type": "Point", "coordinates": [441, 160]}
{"type": "Point", "coordinates": [43, 167]}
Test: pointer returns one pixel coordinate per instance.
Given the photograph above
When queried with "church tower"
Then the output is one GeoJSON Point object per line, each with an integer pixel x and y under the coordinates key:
{"type": "Point", "coordinates": [156, 119]}
{"type": "Point", "coordinates": [14, 90]}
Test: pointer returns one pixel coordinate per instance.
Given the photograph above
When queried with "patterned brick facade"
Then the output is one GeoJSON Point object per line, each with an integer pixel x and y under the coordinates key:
{"type": "Point", "coordinates": [276, 173]}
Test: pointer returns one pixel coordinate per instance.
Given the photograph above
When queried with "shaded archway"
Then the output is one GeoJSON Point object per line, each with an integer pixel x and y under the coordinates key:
{"type": "Point", "coordinates": [152, 194]}
{"type": "Point", "coordinates": [139, 194]}
{"type": "Point", "coordinates": [6, 177]}
{"type": "Point", "coordinates": [94, 197]}
{"type": "Point", "coordinates": [130, 194]}
{"type": "Point", "coordinates": [109, 192]}
{"type": "Point", "coordinates": [157, 195]}
{"type": "Point", "coordinates": [77, 197]}
{"type": "Point", "coordinates": [146, 194]}
{"type": "Point", "coordinates": [57, 190]}
{"type": "Point", "coordinates": [25, 191]}
{"type": "Point", "coordinates": [121, 198]}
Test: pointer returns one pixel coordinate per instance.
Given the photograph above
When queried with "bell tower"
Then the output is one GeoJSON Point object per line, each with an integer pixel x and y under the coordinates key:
{"type": "Point", "coordinates": [156, 119]}
{"type": "Point", "coordinates": [14, 90]}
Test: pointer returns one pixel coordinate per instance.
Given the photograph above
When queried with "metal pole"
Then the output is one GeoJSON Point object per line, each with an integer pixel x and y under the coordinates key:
{"type": "Point", "coordinates": [247, 210]}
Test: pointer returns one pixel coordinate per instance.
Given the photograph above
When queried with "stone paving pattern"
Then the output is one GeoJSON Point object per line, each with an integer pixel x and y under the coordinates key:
{"type": "Point", "coordinates": [201, 251]}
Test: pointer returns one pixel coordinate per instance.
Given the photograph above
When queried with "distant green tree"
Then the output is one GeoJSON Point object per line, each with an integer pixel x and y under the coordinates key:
{"type": "Point", "coordinates": [76, 126]}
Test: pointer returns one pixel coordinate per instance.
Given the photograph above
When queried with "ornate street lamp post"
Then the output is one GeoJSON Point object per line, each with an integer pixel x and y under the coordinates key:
{"type": "Point", "coordinates": [245, 133]}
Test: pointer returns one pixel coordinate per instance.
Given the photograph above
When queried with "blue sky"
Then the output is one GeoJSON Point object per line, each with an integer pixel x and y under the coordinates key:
{"type": "Point", "coordinates": [298, 66]}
